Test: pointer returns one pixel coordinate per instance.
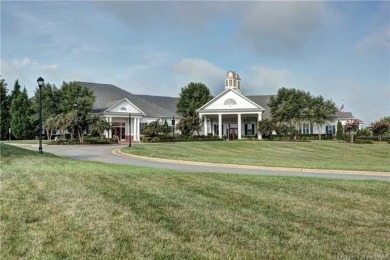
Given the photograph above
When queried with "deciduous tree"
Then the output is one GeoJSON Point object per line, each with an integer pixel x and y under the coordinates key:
{"type": "Point", "coordinates": [351, 126]}
{"type": "Point", "coordinates": [77, 101]}
{"type": "Point", "coordinates": [50, 106]}
{"type": "Point", "coordinates": [320, 111]}
{"type": "Point", "coordinates": [191, 98]}
{"type": "Point", "coordinates": [98, 125]}
{"type": "Point", "coordinates": [290, 106]}
{"type": "Point", "coordinates": [381, 127]}
{"type": "Point", "coordinates": [265, 127]}
{"type": "Point", "coordinates": [153, 129]}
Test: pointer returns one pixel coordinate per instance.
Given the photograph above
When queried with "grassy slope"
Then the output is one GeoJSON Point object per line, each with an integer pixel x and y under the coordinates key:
{"type": "Point", "coordinates": [319, 154]}
{"type": "Point", "coordinates": [54, 207]}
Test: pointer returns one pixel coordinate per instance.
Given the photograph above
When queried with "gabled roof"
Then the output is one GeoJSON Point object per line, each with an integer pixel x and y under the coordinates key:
{"type": "Point", "coordinates": [121, 101]}
{"type": "Point", "coordinates": [254, 104]}
{"type": "Point", "coordinates": [107, 94]}
{"type": "Point", "coordinates": [344, 115]}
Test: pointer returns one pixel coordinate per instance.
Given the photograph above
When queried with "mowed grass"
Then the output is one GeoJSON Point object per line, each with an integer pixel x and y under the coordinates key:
{"type": "Point", "coordinates": [53, 207]}
{"type": "Point", "coordinates": [316, 154]}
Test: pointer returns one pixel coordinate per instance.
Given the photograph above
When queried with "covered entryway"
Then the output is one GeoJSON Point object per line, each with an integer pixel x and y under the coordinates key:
{"type": "Point", "coordinates": [234, 111]}
{"type": "Point", "coordinates": [233, 133]}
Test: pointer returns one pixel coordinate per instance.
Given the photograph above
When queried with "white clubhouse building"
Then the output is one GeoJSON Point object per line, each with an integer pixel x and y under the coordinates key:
{"type": "Point", "coordinates": [230, 115]}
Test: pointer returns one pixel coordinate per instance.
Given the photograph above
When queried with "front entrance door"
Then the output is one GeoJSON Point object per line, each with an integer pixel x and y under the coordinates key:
{"type": "Point", "coordinates": [119, 133]}
{"type": "Point", "coordinates": [233, 133]}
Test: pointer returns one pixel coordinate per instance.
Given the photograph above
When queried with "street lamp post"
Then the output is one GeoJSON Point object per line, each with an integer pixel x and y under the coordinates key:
{"type": "Point", "coordinates": [173, 129]}
{"type": "Point", "coordinates": [129, 129]}
{"type": "Point", "coordinates": [40, 81]}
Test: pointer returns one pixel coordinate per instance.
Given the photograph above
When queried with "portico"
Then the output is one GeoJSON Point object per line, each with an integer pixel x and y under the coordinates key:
{"type": "Point", "coordinates": [230, 125]}
{"type": "Point", "coordinates": [118, 115]}
{"type": "Point", "coordinates": [231, 115]}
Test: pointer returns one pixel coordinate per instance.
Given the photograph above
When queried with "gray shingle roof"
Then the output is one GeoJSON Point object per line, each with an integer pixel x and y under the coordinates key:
{"type": "Point", "coordinates": [108, 95]}
{"type": "Point", "coordinates": [262, 100]}
{"type": "Point", "coordinates": [154, 106]}
{"type": "Point", "coordinates": [344, 115]}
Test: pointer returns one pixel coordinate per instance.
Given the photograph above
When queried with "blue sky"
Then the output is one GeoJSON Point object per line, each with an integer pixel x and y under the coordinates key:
{"type": "Point", "coordinates": [340, 50]}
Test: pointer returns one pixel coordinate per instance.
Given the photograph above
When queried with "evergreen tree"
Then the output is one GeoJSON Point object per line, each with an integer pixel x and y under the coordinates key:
{"type": "Point", "coordinates": [16, 91]}
{"type": "Point", "coordinates": [5, 106]}
{"type": "Point", "coordinates": [20, 116]}
{"type": "Point", "coordinates": [340, 132]}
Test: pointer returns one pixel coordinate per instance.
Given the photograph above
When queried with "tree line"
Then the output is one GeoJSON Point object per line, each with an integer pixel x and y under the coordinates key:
{"type": "Point", "coordinates": [291, 108]}
{"type": "Point", "coordinates": [67, 109]}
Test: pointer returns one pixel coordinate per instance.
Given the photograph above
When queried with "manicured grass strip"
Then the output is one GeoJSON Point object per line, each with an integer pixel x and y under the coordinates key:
{"type": "Point", "coordinates": [53, 207]}
{"type": "Point", "coordinates": [317, 154]}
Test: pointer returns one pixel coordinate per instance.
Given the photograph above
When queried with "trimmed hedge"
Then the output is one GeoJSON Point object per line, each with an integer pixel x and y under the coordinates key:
{"type": "Point", "coordinates": [167, 138]}
{"type": "Point", "coordinates": [301, 137]}
{"type": "Point", "coordinates": [87, 140]}
{"type": "Point", "coordinates": [361, 141]}
{"type": "Point", "coordinates": [373, 138]}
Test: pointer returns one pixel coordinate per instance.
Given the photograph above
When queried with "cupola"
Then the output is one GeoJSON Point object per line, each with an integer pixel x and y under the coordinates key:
{"type": "Point", "coordinates": [232, 81]}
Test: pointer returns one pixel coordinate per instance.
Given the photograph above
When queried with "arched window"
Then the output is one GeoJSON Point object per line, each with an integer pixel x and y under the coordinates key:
{"type": "Point", "coordinates": [123, 109]}
{"type": "Point", "coordinates": [230, 102]}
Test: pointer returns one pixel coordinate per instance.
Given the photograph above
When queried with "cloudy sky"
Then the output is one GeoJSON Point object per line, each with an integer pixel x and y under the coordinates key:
{"type": "Point", "coordinates": [340, 50]}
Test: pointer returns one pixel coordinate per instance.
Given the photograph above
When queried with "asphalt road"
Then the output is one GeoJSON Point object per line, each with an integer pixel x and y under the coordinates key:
{"type": "Point", "coordinates": [109, 154]}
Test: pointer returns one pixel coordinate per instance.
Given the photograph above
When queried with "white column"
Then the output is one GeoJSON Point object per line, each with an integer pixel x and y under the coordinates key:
{"type": "Point", "coordinates": [110, 131]}
{"type": "Point", "coordinates": [259, 118]}
{"type": "Point", "coordinates": [205, 126]}
{"type": "Point", "coordinates": [105, 131]}
{"type": "Point", "coordinates": [138, 129]}
{"type": "Point", "coordinates": [239, 125]}
{"type": "Point", "coordinates": [128, 126]}
{"type": "Point", "coordinates": [220, 125]}
{"type": "Point", "coordinates": [134, 127]}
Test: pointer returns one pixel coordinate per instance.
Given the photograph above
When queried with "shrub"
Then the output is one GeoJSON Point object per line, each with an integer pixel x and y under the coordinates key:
{"type": "Point", "coordinates": [99, 140]}
{"type": "Point", "coordinates": [145, 139]}
{"type": "Point", "coordinates": [155, 139]}
{"type": "Point", "coordinates": [362, 141]}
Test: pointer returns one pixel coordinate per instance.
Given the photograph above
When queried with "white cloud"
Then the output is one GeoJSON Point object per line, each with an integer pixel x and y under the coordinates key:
{"type": "Point", "coordinates": [376, 42]}
{"type": "Point", "coordinates": [197, 70]}
{"type": "Point", "coordinates": [33, 65]}
{"type": "Point", "coordinates": [259, 79]}
{"type": "Point", "coordinates": [27, 70]}
{"type": "Point", "coordinates": [268, 27]}
{"type": "Point", "coordinates": [282, 27]}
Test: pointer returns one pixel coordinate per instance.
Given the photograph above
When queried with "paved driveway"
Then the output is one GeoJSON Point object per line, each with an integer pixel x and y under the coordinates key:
{"type": "Point", "coordinates": [109, 154]}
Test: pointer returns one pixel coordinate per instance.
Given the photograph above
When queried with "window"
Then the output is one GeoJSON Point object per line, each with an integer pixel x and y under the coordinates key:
{"type": "Point", "coordinates": [142, 127]}
{"type": "Point", "coordinates": [230, 82]}
{"type": "Point", "coordinates": [229, 102]}
{"type": "Point", "coordinates": [330, 129]}
{"type": "Point", "coordinates": [249, 129]}
{"type": "Point", "coordinates": [216, 129]}
{"type": "Point", "coordinates": [306, 129]}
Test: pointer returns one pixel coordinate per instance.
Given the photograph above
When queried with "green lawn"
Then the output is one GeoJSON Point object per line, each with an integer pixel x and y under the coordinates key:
{"type": "Point", "coordinates": [52, 207]}
{"type": "Point", "coordinates": [316, 154]}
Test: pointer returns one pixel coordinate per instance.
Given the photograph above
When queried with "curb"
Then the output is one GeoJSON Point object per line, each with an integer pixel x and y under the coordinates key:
{"type": "Point", "coordinates": [253, 167]}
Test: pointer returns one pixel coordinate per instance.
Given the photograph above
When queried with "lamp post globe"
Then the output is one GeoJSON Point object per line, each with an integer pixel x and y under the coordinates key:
{"type": "Point", "coordinates": [40, 81]}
